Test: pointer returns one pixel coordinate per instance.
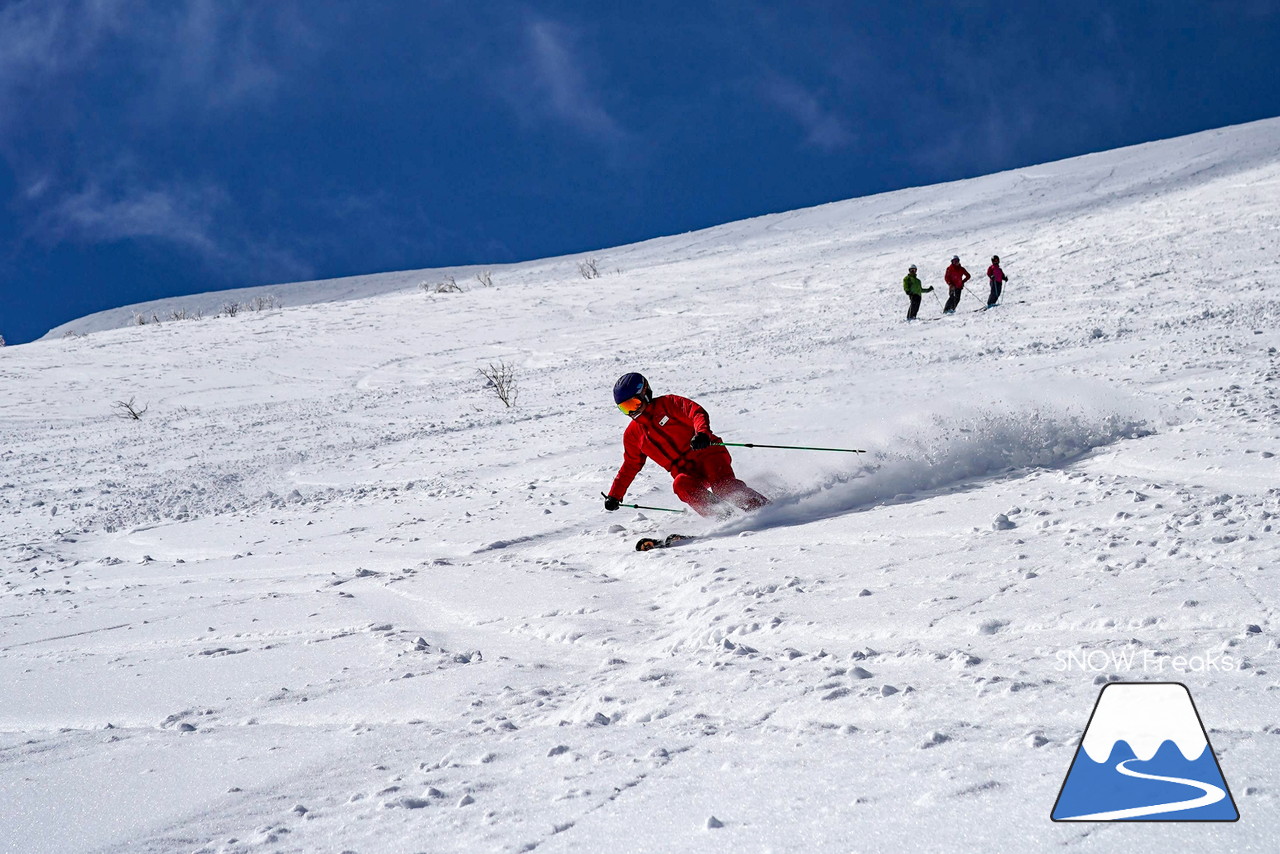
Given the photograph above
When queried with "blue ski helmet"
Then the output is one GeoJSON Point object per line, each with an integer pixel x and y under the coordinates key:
{"type": "Point", "coordinates": [631, 387]}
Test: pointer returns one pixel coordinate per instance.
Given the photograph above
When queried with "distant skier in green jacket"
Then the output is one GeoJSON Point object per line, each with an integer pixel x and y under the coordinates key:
{"type": "Point", "coordinates": [911, 286]}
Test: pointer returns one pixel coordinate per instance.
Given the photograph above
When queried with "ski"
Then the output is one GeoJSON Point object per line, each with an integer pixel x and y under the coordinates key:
{"type": "Point", "coordinates": [985, 307]}
{"type": "Point", "coordinates": [649, 543]}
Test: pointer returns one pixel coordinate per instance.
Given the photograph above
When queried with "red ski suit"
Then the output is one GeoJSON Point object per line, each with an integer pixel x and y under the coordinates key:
{"type": "Point", "coordinates": [701, 479]}
{"type": "Point", "coordinates": [956, 276]}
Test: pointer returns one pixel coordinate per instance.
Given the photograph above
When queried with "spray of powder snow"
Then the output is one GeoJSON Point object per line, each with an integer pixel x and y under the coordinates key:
{"type": "Point", "coordinates": [971, 435]}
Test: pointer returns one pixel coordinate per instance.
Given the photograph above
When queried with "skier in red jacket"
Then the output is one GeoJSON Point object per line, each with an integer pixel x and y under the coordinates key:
{"type": "Point", "coordinates": [955, 277]}
{"type": "Point", "coordinates": [676, 433]}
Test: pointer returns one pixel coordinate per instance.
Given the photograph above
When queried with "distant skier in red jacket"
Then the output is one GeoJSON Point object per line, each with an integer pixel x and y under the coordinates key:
{"type": "Point", "coordinates": [676, 433]}
{"type": "Point", "coordinates": [955, 277]}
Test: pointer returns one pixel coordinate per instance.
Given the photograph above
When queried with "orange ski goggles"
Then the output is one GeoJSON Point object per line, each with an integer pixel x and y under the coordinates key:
{"type": "Point", "coordinates": [632, 406]}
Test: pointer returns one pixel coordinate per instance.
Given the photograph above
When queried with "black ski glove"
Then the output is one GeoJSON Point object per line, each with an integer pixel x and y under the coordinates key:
{"type": "Point", "coordinates": [611, 503]}
{"type": "Point", "coordinates": [700, 441]}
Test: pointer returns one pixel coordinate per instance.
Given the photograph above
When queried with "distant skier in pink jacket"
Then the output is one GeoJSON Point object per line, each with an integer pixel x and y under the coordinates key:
{"type": "Point", "coordinates": [997, 278]}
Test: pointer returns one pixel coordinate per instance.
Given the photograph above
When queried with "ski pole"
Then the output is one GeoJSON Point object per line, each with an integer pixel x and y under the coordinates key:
{"type": "Point", "coordinates": [788, 447]}
{"type": "Point", "coordinates": [646, 507]}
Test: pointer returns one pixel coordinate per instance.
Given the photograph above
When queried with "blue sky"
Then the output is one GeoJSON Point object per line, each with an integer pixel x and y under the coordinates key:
{"type": "Point", "coordinates": [150, 149]}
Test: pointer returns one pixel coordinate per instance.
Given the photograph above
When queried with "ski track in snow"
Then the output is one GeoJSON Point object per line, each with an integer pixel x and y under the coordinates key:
{"type": "Point", "coordinates": [329, 594]}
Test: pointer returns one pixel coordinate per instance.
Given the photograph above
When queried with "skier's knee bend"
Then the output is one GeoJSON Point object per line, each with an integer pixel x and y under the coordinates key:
{"type": "Point", "coordinates": [740, 494]}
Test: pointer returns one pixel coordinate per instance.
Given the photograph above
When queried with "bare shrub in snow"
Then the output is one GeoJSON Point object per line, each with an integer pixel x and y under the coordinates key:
{"type": "Point", "coordinates": [129, 409]}
{"type": "Point", "coordinates": [502, 379]}
{"type": "Point", "coordinates": [266, 303]}
{"type": "Point", "coordinates": [231, 309]}
{"type": "Point", "coordinates": [485, 278]}
{"type": "Point", "coordinates": [589, 268]}
{"type": "Point", "coordinates": [448, 286]}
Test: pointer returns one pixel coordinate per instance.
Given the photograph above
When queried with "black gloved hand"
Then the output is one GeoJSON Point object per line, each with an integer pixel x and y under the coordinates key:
{"type": "Point", "coordinates": [611, 503]}
{"type": "Point", "coordinates": [700, 441]}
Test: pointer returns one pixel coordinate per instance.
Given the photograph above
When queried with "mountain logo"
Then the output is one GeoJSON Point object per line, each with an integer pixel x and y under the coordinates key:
{"type": "Point", "coordinates": [1145, 756]}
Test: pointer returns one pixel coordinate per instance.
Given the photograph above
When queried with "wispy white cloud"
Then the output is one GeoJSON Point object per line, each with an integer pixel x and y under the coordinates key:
{"type": "Point", "coordinates": [48, 34]}
{"type": "Point", "coordinates": [824, 128]}
{"type": "Point", "coordinates": [213, 52]}
{"type": "Point", "coordinates": [41, 40]}
{"type": "Point", "coordinates": [181, 215]}
{"type": "Point", "coordinates": [171, 62]}
{"type": "Point", "coordinates": [553, 81]}
{"type": "Point", "coordinates": [97, 213]}
{"type": "Point", "coordinates": [223, 55]}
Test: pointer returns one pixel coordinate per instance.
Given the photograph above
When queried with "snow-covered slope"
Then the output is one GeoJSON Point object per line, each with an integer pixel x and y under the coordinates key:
{"type": "Point", "coordinates": [923, 220]}
{"type": "Point", "coordinates": [329, 594]}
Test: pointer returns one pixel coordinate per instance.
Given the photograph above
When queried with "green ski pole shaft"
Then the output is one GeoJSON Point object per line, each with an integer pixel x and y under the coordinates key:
{"type": "Point", "coordinates": [789, 447]}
